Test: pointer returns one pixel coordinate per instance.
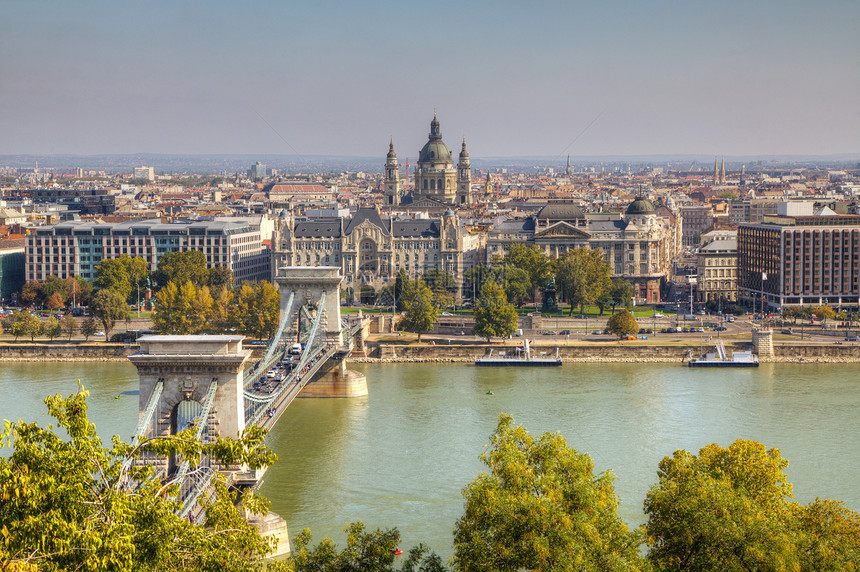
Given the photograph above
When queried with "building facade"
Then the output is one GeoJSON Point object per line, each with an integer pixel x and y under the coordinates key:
{"type": "Point", "coordinates": [717, 268]}
{"type": "Point", "coordinates": [75, 249]}
{"type": "Point", "coordinates": [696, 221]}
{"type": "Point", "coordinates": [638, 245]}
{"type": "Point", "coordinates": [371, 250]}
{"type": "Point", "coordinates": [799, 260]}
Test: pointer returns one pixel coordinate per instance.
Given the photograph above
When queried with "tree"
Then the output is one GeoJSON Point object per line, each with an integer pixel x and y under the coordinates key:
{"type": "Point", "coordinates": [792, 313]}
{"type": "Point", "coordinates": [55, 302]}
{"type": "Point", "coordinates": [443, 286]}
{"type": "Point", "coordinates": [25, 324]}
{"type": "Point", "coordinates": [69, 503]}
{"type": "Point", "coordinates": [51, 328]}
{"type": "Point", "coordinates": [421, 314]}
{"type": "Point", "coordinates": [257, 309]}
{"type": "Point", "coordinates": [108, 306]}
{"type": "Point", "coordinates": [824, 313]}
{"type": "Point", "coordinates": [69, 324]}
{"type": "Point", "coordinates": [31, 293]}
{"type": "Point", "coordinates": [182, 267]}
{"type": "Point", "coordinates": [365, 552]}
{"type": "Point", "coordinates": [541, 507]}
{"type": "Point", "coordinates": [89, 327]}
{"type": "Point", "coordinates": [725, 509]}
{"type": "Point", "coordinates": [494, 316]}
{"type": "Point", "coordinates": [621, 294]}
{"type": "Point", "coordinates": [532, 259]}
{"type": "Point", "coordinates": [111, 274]}
{"type": "Point", "coordinates": [582, 275]}
{"type": "Point", "coordinates": [399, 285]}
{"type": "Point", "coordinates": [516, 283]}
{"type": "Point", "coordinates": [54, 285]}
{"type": "Point", "coordinates": [220, 276]}
{"type": "Point", "coordinates": [221, 316]}
{"type": "Point", "coordinates": [622, 324]}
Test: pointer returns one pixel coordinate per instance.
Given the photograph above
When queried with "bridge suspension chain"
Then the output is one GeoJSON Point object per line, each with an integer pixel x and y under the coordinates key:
{"type": "Point", "coordinates": [149, 412]}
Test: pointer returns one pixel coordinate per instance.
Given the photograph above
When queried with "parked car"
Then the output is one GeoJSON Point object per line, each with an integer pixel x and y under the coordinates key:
{"type": "Point", "coordinates": [658, 315]}
{"type": "Point", "coordinates": [564, 333]}
{"type": "Point", "coordinates": [852, 339]}
{"type": "Point", "coordinates": [628, 337]}
{"type": "Point", "coordinates": [720, 329]}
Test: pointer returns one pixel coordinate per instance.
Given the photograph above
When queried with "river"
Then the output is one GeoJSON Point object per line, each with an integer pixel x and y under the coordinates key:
{"type": "Point", "coordinates": [402, 455]}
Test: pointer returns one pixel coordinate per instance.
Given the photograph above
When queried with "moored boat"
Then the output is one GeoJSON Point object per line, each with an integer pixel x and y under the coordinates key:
{"type": "Point", "coordinates": [521, 358]}
{"type": "Point", "coordinates": [719, 358]}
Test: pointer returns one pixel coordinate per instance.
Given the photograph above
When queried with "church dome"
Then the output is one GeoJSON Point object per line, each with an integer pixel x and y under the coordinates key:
{"type": "Point", "coordinates": [435, 150]}
{"type": "Point", "coordinates": [560, 210]}
{"type": "Point", "coordinates": [641, 206]}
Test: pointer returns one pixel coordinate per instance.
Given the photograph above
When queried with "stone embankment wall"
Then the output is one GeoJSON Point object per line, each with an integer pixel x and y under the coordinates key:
{"type": "Point", "coordinates": [66, 351]}
{"type": "Point", "coordinates": [607, 352]}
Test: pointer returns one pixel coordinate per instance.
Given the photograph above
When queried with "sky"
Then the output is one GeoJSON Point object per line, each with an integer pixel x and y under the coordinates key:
{"type": "Point", "coordinates": [515, 78]}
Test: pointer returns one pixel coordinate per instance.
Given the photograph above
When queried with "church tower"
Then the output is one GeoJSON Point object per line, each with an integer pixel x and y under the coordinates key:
{"type": "Point", "coordinates": [716, 172]}
{"type": "Point", "coordinates": [723, 171]}
{"type": "Point", "coordinates": [464, 177]}
{"type": "Point", "coordinates": [488, 185]}
{"type": "Point", "coordinates": [392, 178]}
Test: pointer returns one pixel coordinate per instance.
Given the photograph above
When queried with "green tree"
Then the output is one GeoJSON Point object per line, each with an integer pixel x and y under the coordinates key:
{"type": "Point", "coordinates": [54, 285]}
{"type": "Point", "coordinates": [622, 324]}
{"type": "Point", "coordinates": [25, 324]}
{"type": "Point", "coordinates": [621, 294]}
{"type": "Point", "coordinates": [111, 274]}
{"type": "Point", "coordinates": [443, 286]}
{"type": "Point", "coordinates": [494, 316]}
{"type": "Point", "coordinates": [69, 503]}
{"type": "Point", "coordinates": [364, 552]}
{"type": "Point", "coordinates": [220, 276]}
{"type": "Point", "coordinates": [89, 327]}
{"type": "Point", "coordinates": [516, 283]}
{"type": "Point", "coordinates": [420, 313]}
{"type": "Point", "coordinates": [69, 324]}
{"type": "Point", "coordinates": [31, 293]}
{"type": "Point", "coordinates": [51, 328]}
{"type": "Point", "coordinates": [541, 507]}
{"type": "Point", "coordinates": [221, 315]}
{"type": "Point", "coordinates": [399, 285]}
{"type": "Point", "coordinates": [257, 309]}
{"type": "Point", "coordinates": [582, 276]}
{"type": "Point", "coordinates": [725, 509]}
{"type": "Point", "coordinates": [792, 313]}
{"type": "Point", "coordinates": [109, 306]}
{"type": "Point", "coordinates": [182, 267]}
{"type": "Point", "coordinates": [532, 259]}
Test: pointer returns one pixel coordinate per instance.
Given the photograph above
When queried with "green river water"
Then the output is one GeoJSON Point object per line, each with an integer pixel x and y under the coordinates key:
{"type": "Point", "coordinates": [401, 456]}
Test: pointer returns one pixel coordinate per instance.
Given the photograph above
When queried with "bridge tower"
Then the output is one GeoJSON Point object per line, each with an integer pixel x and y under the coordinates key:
{"type": "Point", "coordinates": [186, 377]}
{"type": "Point", "coordinates": [319, 287]}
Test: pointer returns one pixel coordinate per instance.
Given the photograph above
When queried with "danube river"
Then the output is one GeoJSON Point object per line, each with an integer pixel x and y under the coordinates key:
{"type": "Point", "coordinates": [401, 456]}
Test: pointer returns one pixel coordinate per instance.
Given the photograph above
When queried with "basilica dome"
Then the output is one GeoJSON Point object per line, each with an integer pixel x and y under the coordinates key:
{"type": "Point", "coordinates": [435, 150]}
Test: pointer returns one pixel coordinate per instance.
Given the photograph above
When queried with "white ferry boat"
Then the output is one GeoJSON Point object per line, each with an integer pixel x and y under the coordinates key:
{"type": "Point", "coordinates": [718, 358]}
{"type": "Point", "coordinates": [520, 358]}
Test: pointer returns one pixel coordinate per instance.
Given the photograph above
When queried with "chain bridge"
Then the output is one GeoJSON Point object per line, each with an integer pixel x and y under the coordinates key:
{"type": "Point", "coordinates": [211, 383]}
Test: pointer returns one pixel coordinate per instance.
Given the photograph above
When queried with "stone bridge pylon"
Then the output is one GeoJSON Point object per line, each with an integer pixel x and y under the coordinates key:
{"type": "Point", "coordinates": [317, 289]}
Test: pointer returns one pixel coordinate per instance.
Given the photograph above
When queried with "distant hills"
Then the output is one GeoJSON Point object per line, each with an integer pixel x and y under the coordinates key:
{"type": "Point", "coordinates": [229, 164]}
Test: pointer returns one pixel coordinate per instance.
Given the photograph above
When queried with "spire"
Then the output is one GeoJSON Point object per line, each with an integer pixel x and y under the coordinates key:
{"type": "Point", "coordinates": [567, 170]}
{"type": "Point", "coordinates": [716, 172]}
{"type": "Point", "coordinates": [463, 153]}
{"type": "Point", "coordinates": [391, 153]}
{"type": "Point", "coordinates": [435, 133]}
{"type": "Point", "coordinates": [723, 171]}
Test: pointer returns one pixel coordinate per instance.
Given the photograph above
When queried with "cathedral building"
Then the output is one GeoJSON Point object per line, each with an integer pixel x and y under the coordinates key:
{"type": "Point", "coordinates": [438, 183]}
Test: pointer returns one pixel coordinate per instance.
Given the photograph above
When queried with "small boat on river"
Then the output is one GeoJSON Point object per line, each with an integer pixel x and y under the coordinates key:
{"type": "Point", "coordinates": [521, 358]}
{"type": "Point", "coordinates": [718, 358]}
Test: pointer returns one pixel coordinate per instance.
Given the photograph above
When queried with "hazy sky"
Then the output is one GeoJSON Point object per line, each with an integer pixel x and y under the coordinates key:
{"type": "Point", "coordinates": [513, 77]}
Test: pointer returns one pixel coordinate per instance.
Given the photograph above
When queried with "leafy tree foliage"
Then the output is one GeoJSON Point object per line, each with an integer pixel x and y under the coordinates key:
{"type": "Point", "coordinates": [536, 264]}
{"type": "Point", "coordinates": [365, 551]}
{"type": "Point", "coordinates": [89, 326]}
{"type": "Point", "coordinates": [184, 310]}
{"type": "Point", "coordinates": [443, 287]}
{"type": "Point", "coordinates": [123, 274]}
{"type": "Point", "coordinates": [108, 306]}
{"type": "Point", "coordinates": [182, 267]}
{"type": "Point", "coordinates": [824, 313]}
{"type": "Point", "coordinates": [220, 276]}
{"type": "Point", "coordinates": [541, 507]}
{"type": "Point", "coordinates": [35, 293]}
{"type": "Point", "coordinates": [257, 309]}
{"type": "Point", "coordinates": [621, 294]}
{"type": "Point", "coordinates": [69, 324]}
{"type": "Point", "coordinates": [70, 503]}
{"type": "Point", "coordinates": [55, 302]}
{"type": "Point", "coordinates": [421, 314]}
{"type": "Point", "coordinates": [622, 324]}
{"type": "Point", "coordinates": [582, 276]}
{"type": "Point", "coordinates": [725, 509]}
{"type": "Point", "coordinates": [51, 328]}
{"type": "Point", "coordinates": [25, 324]}
{"type": "Point", "coordinates": [494, 316]}
{"type": "Point", "coordinates": [399, 286]}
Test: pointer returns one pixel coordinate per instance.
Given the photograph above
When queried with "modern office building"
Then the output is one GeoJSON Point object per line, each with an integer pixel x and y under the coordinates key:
{"type": "Point", "coordinates": [75, 249]}
{"type": "Point", "coordinates": [801, 260]}
{"type": "Point", "coordinates": [11, 268]}
{"type": "Point", "coordinates": [147, 173]}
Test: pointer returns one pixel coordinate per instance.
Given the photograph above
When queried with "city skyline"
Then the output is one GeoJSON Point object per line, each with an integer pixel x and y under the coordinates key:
{"type": "Point", "coordinates": [619, 78]}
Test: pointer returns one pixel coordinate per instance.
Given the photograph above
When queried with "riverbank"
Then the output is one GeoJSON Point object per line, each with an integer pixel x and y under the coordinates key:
{"type": "Point", "coordinates": [666, 351]}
